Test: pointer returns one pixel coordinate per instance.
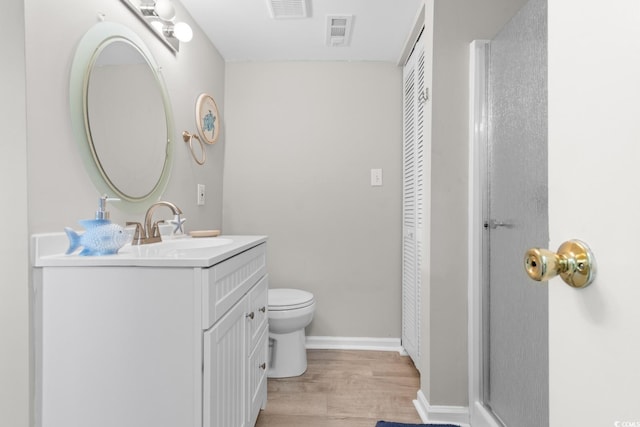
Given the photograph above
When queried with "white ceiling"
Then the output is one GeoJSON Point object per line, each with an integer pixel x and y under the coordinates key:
{"type": "Point", "coordinates": [243, 30]}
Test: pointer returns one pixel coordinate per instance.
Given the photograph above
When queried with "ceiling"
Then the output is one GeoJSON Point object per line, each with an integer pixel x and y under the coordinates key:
{"type": "Point", "coordinates": [243, 30]}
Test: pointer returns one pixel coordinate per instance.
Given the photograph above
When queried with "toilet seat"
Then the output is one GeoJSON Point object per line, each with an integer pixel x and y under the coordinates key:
{"type": "Point", "coordinates": [289, 299]}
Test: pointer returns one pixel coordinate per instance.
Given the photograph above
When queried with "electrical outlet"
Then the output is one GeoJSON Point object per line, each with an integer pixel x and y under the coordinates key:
{"type": "Point", "coordinates": [200, 194]}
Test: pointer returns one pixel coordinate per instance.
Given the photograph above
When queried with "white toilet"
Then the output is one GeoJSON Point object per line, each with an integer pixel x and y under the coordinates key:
{"type": "Point", "coordinates": [290, 311]}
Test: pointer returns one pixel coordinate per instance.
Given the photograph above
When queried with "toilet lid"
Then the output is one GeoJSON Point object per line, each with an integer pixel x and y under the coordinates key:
{"type": "Point", "coordinates": [289, 299]}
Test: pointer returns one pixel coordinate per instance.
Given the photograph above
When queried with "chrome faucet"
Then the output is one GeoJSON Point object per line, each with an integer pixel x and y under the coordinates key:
{"type": "Point", "coordinates": [150, 233]}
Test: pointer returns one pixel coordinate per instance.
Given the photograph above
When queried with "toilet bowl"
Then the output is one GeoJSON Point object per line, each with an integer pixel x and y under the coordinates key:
{"type": "Point", "coordinates": [290, 311]}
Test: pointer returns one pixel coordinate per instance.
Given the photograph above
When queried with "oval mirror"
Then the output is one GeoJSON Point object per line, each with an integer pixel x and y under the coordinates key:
{"type": "Point", "coordinates": [121, 114]}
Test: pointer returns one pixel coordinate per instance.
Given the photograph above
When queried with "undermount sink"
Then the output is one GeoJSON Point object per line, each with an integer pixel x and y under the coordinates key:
{"type": "Point", "coordinates": [194, 243]}
{"type": "Point", "coordinates": [179, 247]}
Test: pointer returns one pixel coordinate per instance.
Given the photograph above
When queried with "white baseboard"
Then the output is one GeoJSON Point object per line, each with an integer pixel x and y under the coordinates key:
{"type": "Point", "coordinates": [440, 414]}
{"type": "Point", "coordinates": [482, 417]}
{"type": "Point", "coordinates": [355, 343]}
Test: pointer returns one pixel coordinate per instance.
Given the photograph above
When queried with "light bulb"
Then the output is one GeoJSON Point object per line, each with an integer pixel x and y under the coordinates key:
{"type": "Point", "coordinates": [158, 26]}
{"type": "Point", "coordinates": [165, 10]}
{"type": "Point", "coordinates": [183, 32]}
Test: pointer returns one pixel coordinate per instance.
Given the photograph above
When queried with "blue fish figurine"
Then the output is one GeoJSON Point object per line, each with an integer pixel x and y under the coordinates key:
{"type": "Point", "coordinates": [100, 238]}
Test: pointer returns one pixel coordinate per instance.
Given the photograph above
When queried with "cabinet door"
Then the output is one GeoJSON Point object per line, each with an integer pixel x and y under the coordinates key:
{"type": "Point", "coordinates": [224, 370]}
{"type": "Point", "coordinates": [257, 376]}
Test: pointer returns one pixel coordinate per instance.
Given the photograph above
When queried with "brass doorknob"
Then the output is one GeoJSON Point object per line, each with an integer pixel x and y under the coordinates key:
{"type": "Point", "coordinates": [574, 262]}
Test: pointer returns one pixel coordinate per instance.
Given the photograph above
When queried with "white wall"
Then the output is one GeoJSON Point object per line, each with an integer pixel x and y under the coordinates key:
{"type": "Point", "coordinates": [14, 289]}
{"type": "Point", "coordinates": [302, 138]}
{"type": "Point", "coordinates": [60, 191]}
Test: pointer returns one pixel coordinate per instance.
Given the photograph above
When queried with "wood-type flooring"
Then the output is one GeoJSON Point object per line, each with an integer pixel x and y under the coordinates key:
{"type": "Point", "coordinates": [344, 388]}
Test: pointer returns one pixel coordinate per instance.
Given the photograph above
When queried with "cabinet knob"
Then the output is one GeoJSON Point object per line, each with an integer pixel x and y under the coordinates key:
{"type": "Point", "coordinates": [262, 309]}
{"type": "Point", "coordinates": [263, 366]}
{"type": "Point", "coordinates": [251, 315]}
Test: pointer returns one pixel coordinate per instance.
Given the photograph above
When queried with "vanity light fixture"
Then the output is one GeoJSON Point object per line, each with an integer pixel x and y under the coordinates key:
{"type": "Point", "coordinates": [160, 16]}
{"type": "Point", "coordinates": [163, 9]}
{"type": "Point", "coordinates": [180, 30]}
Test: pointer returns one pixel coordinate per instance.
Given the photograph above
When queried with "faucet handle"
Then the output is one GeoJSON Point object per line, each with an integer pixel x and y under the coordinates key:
{"type": "Point", "coordinates": [138, 236]}
{"type": "Point", "coordinates": [155, 230]}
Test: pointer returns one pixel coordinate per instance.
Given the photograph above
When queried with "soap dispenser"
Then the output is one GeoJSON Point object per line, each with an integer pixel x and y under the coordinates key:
{"type": "Point", "coordinates": [102, 214]}
{"type": "Point", "coordinates": [101, 237]}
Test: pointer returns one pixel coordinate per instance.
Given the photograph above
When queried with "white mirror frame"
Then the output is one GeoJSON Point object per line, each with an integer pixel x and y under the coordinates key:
{"type": "Point", "coordinates": [80, 71]}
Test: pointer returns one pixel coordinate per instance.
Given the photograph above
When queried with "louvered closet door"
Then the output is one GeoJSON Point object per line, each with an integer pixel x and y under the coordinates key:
{"type": "Point", "coordinates": [412, 200]}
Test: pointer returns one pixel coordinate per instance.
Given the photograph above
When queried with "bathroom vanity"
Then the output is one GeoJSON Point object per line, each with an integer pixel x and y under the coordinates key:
{"type": "Point", "coordinates": [165, 335]}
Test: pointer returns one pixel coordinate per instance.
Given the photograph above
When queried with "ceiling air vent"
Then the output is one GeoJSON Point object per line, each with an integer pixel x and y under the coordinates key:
{"type": "Point", "coordinates": [338, 30]}
{"type": "Point", "coordinates": [287, 9]}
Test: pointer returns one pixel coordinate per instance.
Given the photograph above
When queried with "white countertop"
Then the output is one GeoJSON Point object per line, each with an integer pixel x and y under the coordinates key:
{"type": "Point", "coordinates": [48, 250]}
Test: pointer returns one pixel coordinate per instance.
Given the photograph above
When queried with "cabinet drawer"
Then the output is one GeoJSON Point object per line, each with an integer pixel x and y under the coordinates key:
{"type": "Point", "coordinates": [227, 282]}
{"type": "Point", "coordinates": [258, 310]}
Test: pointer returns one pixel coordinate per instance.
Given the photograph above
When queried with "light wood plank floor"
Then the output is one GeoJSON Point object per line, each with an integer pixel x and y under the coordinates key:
{"type": "Point", "coordinates": [344, 388]}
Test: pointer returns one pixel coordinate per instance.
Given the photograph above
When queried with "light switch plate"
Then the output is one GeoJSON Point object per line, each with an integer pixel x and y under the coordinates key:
{"type": "Point", "coordinates": [376, 177]}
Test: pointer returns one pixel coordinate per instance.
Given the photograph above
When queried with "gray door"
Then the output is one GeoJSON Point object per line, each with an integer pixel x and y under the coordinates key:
{"type": "Point", "coordinates": [516, 373]}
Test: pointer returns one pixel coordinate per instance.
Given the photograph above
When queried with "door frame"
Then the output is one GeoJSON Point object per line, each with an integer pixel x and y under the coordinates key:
{"type": "Point", "coordinates": [479, 414]}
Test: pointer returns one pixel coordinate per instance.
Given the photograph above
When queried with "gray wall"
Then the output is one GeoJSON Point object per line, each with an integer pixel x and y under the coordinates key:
{"type": "Point", "coordinates": [455, 24]}
{"type": "Point", "coordinates": [60, 191]}
{"type": "Point", "coordinates": [14, 306]}
{"type": "Point", "coordinates": [302, 138]}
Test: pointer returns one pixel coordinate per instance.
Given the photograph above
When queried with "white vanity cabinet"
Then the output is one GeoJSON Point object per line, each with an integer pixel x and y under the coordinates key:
{"type": "Point", "coordinates": [142, 340]}
{"type": "Point", "coordinates": [235, 366]}
{"type": "Point", "coordinates": [235, 354]}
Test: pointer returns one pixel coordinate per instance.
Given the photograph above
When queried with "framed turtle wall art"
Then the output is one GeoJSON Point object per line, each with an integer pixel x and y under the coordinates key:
{"type": "Point", "coordinates": [207, 118]}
